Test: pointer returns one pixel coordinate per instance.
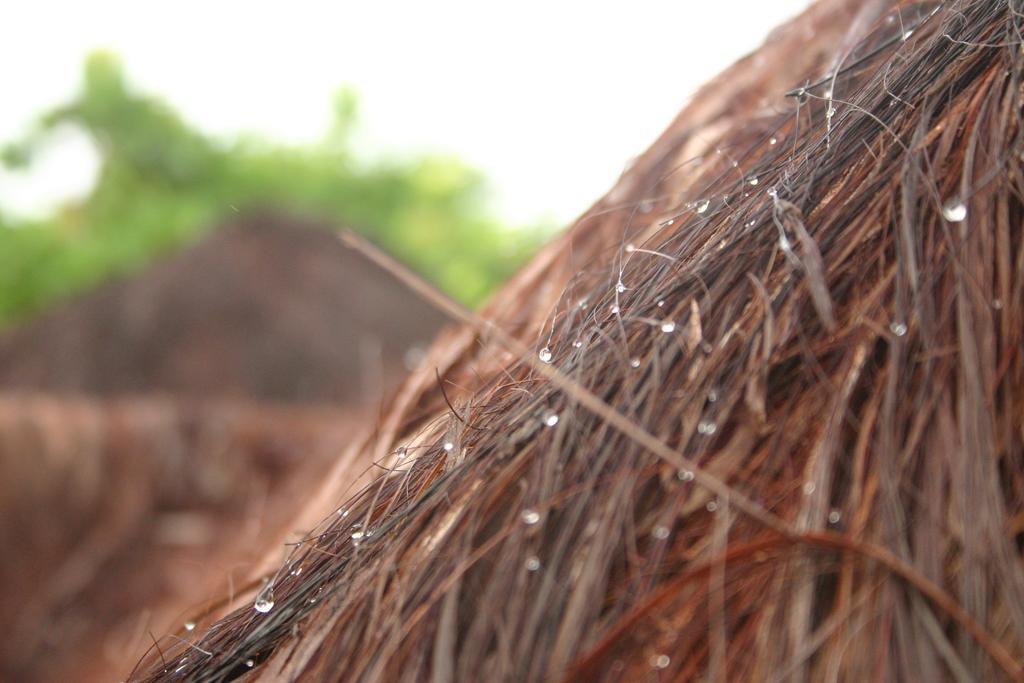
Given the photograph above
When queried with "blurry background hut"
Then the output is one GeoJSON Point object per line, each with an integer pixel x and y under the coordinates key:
{"type": "Point", "coordinates": [153, 431]}
{"type": "Point", "coordinates": [268, 307]}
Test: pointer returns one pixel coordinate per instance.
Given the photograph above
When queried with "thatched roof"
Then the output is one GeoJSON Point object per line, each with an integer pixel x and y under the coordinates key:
{"type": "Point", "coordinates": [268, 307]}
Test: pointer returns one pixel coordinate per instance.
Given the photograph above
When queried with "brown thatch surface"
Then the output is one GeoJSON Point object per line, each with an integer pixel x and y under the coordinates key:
{"type": "Point", "coordinates": [269, 307]}
{"type": "Point", "coordinates": [769, 426]}
{"type": "Point", "coordinates": [122, 518]}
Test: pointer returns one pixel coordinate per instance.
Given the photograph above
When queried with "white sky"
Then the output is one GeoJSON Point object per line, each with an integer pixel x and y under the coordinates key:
{"type": "Point", "coordinates": [549, 99]}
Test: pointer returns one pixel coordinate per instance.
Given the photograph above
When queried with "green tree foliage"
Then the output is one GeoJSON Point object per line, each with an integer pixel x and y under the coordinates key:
{"type": "Point", "coordinates": [161, 183]}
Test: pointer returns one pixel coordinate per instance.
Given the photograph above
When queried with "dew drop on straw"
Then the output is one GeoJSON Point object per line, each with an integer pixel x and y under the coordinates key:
{"type": "Point", "coordinates": [711, 506]}
{"type": "Point", "coordinates": [898, 328]}
{"type": "Point", "coordinates": [530, 517]}
{"type": "Point", "coordinates": [190, 626]}
{"type": "Point", "coordinates": [577, 344]}
{"type": "Point", "coordinates": [545, 355]}
{"type": "Point", "coordinates": [954, 211]}
{"type": "Point", "coordinates": [809, 488]}
{"type": "Point", "coordinates": [249, 663]}
{"type": "Point", "coordinates": [635, 363]}
{"type": "Point", "coordinates": [685, 475]}
{"type": "Point", "coordinates": [532, 563]}
{"type": "Point", "coordinates": [358, 536]}
{"type": "Point", "coordinates": [707, 427]}
{"type": "Point", "coordinates": [703, 205]}
{"type": "Point", "coordinates": [630, 248]}
{"type": "Point", "coordinates": [448, 446]}
{"type": "Point", "coordinates": [773, 141]}
{"type": "Point", "coordinates": [668, 327]}
{"type": "Point", "coordinates": [660, 532]}
{"type": "Point", "coordinates": [660, 661]}
{"type": "Point", "coordinates": [550, 418]}
{"type": "Point", "coordinates": [265, 599]}
{"type": "Point", "coordinates": [754, 181]}
{"type": "Point", "coordinates": [833, 516]}
{"type": "Point", "coordinates": [661, 304]}
{"type": "Point", "coordinates": [615, 310]}
{"type": "Point", "coordinates": [620, 287]}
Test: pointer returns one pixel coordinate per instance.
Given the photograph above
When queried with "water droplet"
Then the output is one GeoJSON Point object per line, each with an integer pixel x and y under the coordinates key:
{"type": "Point", "coordinates": [343, 512]}
{"type": "Point", "coordinates": [530, 517]}
{"type": "Point", "coordinates": [660, 661]}
{"type": "Point", "coordinates": [801, 95]}
{"type": "Point", "coordinates": [660, 532]}
{"type": "Point", "coordinates": [828, 94]}
{"type": "Point", "coordinates": [784, 243]}
{"type": "Point", "coordinates": [907, 34]}
{"type": "Point", "coordinates": [753, 181]}
{"type": "Point", "coordinates": [707, 427]}
{"type": "Point", "coordinates": [668, 327]}
{"type": "Point", "coordinates": [831, 112]}
{"type": "Point", "coordinates": [772, 192]}
{"type": "Point", "coordinates": [448, 446]}
{"type": "Point", "coordinates": [772, 141]}
{"type": "Point", "coordinates": [833, 516]}
{"type": "Point", "coordinates": [997, 304]}
{"type": "Point", "coordinates": [685, 475]}
{"type": "Point", "coordinates": [400, 452]}
{"type": "Point", "coordinates": [661, 304]}
{"type": "Point", "coordinates": [532, 563]}
{"type": "Point", "coordinates": [898, 328]}
{"type": "Point", "coordinates": [620, 287]}
{"type": "Point", "coordinates": [809, 488]}
{"type": "Point", "coordinates": [635, 363]}
{"type": "Point", "coordinates": [582, 304]}
{"type": "Point", "coordinates": [265, 599]}
{"type": "Point", "coordinates": [249, 663]}
{"type": "Point", "coordinates": [711, 506]}
{"type": "Point", "coordinates": [190, 626]}
{"type": "Point", "coordinates": [615, 310]}
{"type": "Point", "coordinates": [712, 395]}
{"type": "Point", "coordinates": [551, 419]}
{"type": "Point", "coordinates": [630, 248]}
{"type": "Point", "coordinates": [703, 205]}
{"type": "Point", "coordinates": [954, 211]}
{"type": "Point", "coordinates": [577, 344]}
{"type": "Point", "coordinates": [752, 223]}
{"type": "Point", "coordinates": [545, 355]}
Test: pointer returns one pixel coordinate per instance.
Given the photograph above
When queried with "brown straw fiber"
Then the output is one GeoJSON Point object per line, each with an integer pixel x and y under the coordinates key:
{"type": "Point", "coordinates": [756, 416]}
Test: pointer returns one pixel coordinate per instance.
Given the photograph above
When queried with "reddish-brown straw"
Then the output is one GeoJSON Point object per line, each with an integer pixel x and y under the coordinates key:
{"type": "Point", "coordinates": [756, 416]}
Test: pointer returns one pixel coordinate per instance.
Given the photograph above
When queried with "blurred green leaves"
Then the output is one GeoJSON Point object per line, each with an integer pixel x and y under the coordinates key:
{"type": "Point", "coordinates": [161, 184]}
